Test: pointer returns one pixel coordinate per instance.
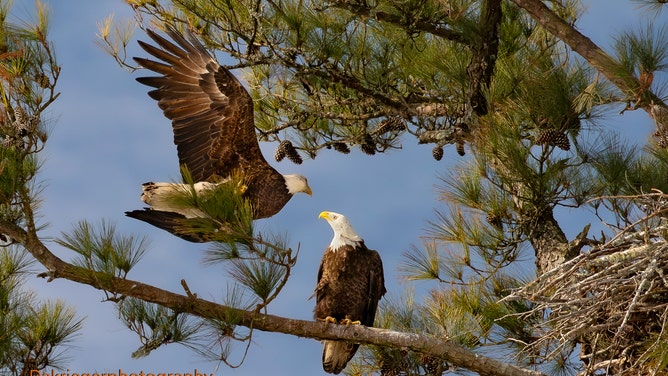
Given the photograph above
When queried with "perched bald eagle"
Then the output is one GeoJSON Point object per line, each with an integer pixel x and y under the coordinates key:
{"type": "Point", "coordinates": [350, 284]}
{"type": "Point", "coordinates": [214, 131]}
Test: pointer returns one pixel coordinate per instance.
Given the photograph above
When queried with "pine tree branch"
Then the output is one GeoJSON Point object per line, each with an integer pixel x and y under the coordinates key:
{"type": "Point", "coordinates": [364, 11]}
{"type": "Point", "coordinates": [584, 46]}
{"type": "Point", "coordinates": [190, 304]}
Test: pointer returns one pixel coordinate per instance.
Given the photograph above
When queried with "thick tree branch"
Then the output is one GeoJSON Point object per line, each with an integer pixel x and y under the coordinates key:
{"type": "Point", "coordinates": [190, 304]}
{"type": "Point", "coordinates": [549, 242]}
{"type": "Point", "coordinates": [584, 46]}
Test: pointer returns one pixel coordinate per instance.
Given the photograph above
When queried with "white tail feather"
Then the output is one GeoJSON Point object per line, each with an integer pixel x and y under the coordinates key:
{"type": "Point", "coordinates": [160, 196]}
{"type": "Point", "coordinates": [336, 355]}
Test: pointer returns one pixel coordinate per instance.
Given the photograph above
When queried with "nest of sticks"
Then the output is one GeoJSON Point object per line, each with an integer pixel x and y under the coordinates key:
{"type": "Point", "coordinates": [611, 301]}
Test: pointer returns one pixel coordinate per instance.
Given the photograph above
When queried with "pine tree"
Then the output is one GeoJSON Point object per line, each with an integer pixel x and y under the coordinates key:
{"type": "Point", "coordinates": [498, 80]}
{"type": "Point", "coordinates": [33, 333]}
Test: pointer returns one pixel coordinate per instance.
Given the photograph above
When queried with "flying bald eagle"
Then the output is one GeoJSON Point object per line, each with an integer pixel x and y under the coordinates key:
{"type": "Point", "coordinates": [214, 132]}
{"type": "Point", "coordinates": [350, 284]}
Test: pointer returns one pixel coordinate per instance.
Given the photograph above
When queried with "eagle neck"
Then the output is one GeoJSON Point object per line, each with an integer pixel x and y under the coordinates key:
{"type": "Point", "coordinates": [293, 183]}
{"type": "Point", "coordinates": [340, 241]}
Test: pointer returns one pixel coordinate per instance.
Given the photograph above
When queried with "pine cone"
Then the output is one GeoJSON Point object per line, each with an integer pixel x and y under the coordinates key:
{"type": "Point", "coordinates": [341, 147]}
{"type": "Point", "coordinates": [434, 366]}
{"type": "Point", "coordinates": [21, 121]}
{"type": "Point", "coordinates": [394, 123]}
{"type": "Point", "coordinates": [291, 152]}
{"type": "Point", "coordinates": [368, 146]}
{"type": "Point", "coordinates": [460, 147]}
{"type": "Point", "coordinates": [42, 80]}
{"type": "Point", "coordinates": [437, 153]}
{"type": "Point", "coordinates": [645, 80]}
{"type": "Point", "coordinates": [494, 220]}
{"type": "Point", "coordinates": [554, 138]}
{"type": "Point", "coordinates": [279, 154]}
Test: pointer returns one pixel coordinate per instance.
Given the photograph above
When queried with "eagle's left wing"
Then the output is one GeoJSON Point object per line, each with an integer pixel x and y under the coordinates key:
{"type": "Point", "coordinates": [211, 112]}
{"type": "Point", "coordinates": [376, 283]}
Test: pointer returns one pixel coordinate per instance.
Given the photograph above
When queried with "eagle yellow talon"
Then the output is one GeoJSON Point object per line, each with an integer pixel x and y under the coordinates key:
{"type": "Point", "coordinates": [348, 321]}
{"type": "Point", "coordinates": [328, 320]}
{"type": "Point", "coordinates": [243, 188]}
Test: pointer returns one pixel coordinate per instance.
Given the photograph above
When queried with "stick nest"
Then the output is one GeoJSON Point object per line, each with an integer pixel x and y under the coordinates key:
{"type": "Point", "coordinates": [611, 300]}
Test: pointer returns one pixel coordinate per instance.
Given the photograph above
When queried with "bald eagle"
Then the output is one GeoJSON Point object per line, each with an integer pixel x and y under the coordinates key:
{"type": "Point", "coordinates": [350, 284]}
{"type": "Point", "coordinates": [214, 132]}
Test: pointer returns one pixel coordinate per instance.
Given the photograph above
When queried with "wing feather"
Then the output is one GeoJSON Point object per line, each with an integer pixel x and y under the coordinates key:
{"type": "Point", "coordinates": [376, 287]}
{"type": "Point", "coordinates": [211, 112]}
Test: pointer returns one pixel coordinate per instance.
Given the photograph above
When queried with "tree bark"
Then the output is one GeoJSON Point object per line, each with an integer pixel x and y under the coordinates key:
{"type": "Point", "coordinates": [483, 56]}
{"type": "Point", "coordinates": [549, 242]}
{"type": "Point", "coordinates": [191, 304]}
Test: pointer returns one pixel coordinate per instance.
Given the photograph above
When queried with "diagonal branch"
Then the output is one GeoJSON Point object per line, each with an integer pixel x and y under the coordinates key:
{"type": "Point", "coordinates": [193, 305]}
{"type": "Point", "coordinates": [584, 46]}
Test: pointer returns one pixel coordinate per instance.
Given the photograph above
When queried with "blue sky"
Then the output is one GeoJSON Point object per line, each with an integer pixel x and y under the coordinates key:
{"type": "Point", "coordinates": [108, 137]}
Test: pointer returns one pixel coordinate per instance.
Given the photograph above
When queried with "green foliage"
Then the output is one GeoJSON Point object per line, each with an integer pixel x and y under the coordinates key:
{"type": "Point", "coordinates": [33, 335]}
{"type": "Point", "coordinates": [403, 315]}
{"type": "Point", "coordinates": [15, 170]}
{"type": "Point", "coordinates": [325, 75]}
{"type": "Point", "coordinates": [103, 251]}
{"type": "Point", "coordinates": [644, 50]}
{"type": "Point", "coordinates": [261, 277]}
{"type": "Point", "coordinates": [260, 262]}
{"type": "Point", "coordinates": [28, 75]}
{"type": "Point", "coordinates": [14, 267]}
{"type": "Point", "coordinates": [222, 213]}
{"type": "Point", "coordinates": [45, 327]}
{"type": "Point", "coordinates": [652, 6]}
{"type": "Point", "coordinates": [156, 325]}
{"type": "Point", "coordinates": [424, 265]}
{"type": "Point", "coordinates": [262, 266]}
{"type": "Point", "coordinates": [629, 180]}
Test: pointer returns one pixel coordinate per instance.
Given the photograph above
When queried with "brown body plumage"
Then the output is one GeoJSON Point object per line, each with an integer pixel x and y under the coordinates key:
{"type": "Point", "coordinates": [350, 284]}
{"type": "Point", "coordinates": [214, 131]}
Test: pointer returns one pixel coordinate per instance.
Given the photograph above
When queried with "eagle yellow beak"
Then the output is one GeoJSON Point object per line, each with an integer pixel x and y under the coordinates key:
{"type": "Point", "coordinates": [324, 215]}
{"type": "Point", "coordinates": [308, 191]}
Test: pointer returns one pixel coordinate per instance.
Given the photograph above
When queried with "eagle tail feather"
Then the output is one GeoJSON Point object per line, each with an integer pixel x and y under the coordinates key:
{"type": "Point", "coordinates": [336, 355]}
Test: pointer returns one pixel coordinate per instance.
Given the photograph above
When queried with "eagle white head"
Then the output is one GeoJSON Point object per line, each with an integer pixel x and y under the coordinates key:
{"type": "Point", "coordinates": [344, 234]}
{"type": "Point", "coordinates": [297, 183]}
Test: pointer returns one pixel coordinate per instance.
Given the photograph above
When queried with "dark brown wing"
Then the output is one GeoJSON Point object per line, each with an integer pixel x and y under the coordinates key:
{"type": "Point", "coordinates": [376, 287]}
{"type": "Point", "coordinates": [211, 112]}
{"type": "Point", "coordinates": [172, 222]}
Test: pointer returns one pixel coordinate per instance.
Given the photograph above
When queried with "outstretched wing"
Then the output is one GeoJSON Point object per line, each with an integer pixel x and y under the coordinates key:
{"type": "Point", "coordinates": [211, 112]}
